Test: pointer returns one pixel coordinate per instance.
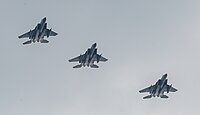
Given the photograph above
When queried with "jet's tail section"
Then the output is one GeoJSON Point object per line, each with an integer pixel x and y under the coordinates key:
{"type": "Point", "coordinates": [78, 66]}
{"type": "Point", "coordinates": [164, 96]}
{"type": "Point", "coordinates": [147, 97]}
{"type": "Point", "coordinates": [94, 66]}
{"type": "Point", "coordinates": [44, 41]}
{"type": "Point", "coordinates": [27, 42]}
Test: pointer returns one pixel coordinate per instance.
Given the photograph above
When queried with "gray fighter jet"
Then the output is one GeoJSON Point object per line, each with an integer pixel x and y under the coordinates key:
{"type": "Point", "coordinates": [89, 58]}
{"type": "Point", "coordinates": [159, 88]}
{"type": "Point", "coordinates": [38, 34]}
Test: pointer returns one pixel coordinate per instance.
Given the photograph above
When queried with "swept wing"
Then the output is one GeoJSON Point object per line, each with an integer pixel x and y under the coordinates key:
{"type": "Point", "coordinates": [75, 59]}
{"type": "Point", "coordinates": [49, 32]}
{"type": "Point", "coordinates": [26, 35]}
{"type": "Point", "coordinates": [170, 88]}
{"type": "Point", "coordinates": [103, 59]}
{"type": "Point", "coordinates": [145, 90]}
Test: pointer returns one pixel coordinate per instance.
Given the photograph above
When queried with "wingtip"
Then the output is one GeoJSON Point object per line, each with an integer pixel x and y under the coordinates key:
{"type": "Point", "coordinates": [105, 60]}
{"type": "Point", "coordinates": [55, 32]}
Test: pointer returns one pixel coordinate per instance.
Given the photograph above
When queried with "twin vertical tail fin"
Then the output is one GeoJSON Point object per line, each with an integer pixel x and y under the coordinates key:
{"type": "Point", "coordinates": [27, 42]}
{"type": "Point", "coordinates": [147, 97]}
{"type": "Point", "coordinates": [78, 66]}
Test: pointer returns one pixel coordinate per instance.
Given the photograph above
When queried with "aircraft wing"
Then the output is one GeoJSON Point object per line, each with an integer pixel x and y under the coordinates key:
{"type": "Point", "coordinates": [172, 89]}
{"type": "Point", "coordinates": [103, 59]}
{"type": "Point", "coordinates": [145, 90]}
{"type": "Point", "coordinates": [49, 32]}
{"type": "Point", "coordinates": [75, 59]}
{"type": "Point", "coordinates": [26, 35]}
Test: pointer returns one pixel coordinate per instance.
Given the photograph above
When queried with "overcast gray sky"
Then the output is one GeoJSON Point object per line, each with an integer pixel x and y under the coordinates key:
{"type": "Point", "coordinates": [143, 39]}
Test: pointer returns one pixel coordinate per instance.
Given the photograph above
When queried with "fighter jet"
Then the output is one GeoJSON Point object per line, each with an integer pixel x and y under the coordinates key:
{"type": "Point", "coordinates": [159, 88]}
{"type": "Point", "coordinates": [89, 58]}
{"type": "Point", "coordinates": [38, 34]}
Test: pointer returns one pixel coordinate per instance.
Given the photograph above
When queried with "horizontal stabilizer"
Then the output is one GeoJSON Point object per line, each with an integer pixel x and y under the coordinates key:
{"type": "Point", "coordinates": [163, 96]}
{"type": "Point", "coordinates": [27, 42]}
{"type": "Point", "coordinates": [147, 97]}
{"type": "Point", "coordinates": [78, 66]}
{"type": "Point", "coordinates": [94, 66]}
{"type": "Point", "coordinates": [44, 41]}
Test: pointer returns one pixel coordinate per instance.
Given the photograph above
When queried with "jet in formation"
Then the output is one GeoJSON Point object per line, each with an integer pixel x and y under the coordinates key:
{"type": "Point", "coordinates": [38, 34]}
{"type": "Point", "coordinates": [159, 88]}
{"type": "Point", "coordinates": [89, 58]}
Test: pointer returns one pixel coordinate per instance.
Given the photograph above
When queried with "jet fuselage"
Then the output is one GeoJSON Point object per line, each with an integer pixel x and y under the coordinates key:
{"type": "Point", "coordinates": [86, 60]}
{"type": "Point", "coordinates": [40, 31]}
{"type": "Point", "coordinates": [92, 50]}
{"type": "Point", "coordinates": [158, 89]}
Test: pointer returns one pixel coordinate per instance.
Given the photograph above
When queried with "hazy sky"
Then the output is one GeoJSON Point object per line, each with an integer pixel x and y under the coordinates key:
{"type": "Point", "coordinates": [142, 39]}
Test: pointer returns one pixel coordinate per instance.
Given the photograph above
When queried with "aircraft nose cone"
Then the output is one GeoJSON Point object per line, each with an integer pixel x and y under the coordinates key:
{"type": "Point", "coordinates": [165, 76]}
{"type": "Point", "coordinates": [94, 45]}
{"type": "Point", "coordinates": [44, 19]}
